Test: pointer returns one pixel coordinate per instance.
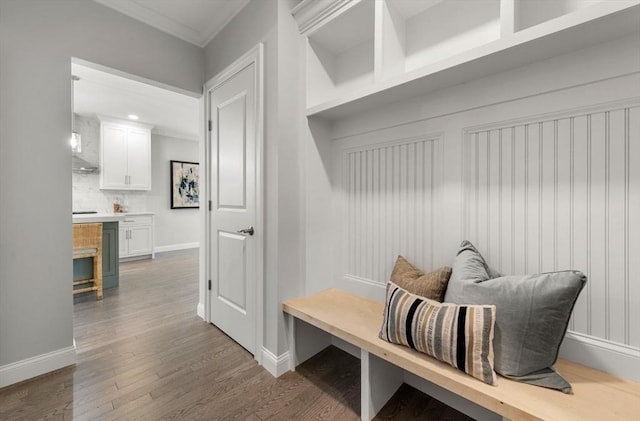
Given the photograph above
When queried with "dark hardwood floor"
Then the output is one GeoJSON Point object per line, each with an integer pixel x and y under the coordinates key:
{"type": "Point", "coordinates": [143, 354]}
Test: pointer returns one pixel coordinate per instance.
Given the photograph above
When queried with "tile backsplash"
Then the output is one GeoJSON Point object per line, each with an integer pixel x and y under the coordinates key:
{"type": "Point", "coordinates": [86, 194]}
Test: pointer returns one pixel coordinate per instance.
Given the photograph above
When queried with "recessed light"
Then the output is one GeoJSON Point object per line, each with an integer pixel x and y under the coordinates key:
{"type": "Point", "coordinates": [133, 117]}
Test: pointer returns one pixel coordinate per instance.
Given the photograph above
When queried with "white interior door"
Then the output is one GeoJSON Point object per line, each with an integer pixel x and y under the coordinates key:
{"type": "Point", "coordinates": [233, 218]}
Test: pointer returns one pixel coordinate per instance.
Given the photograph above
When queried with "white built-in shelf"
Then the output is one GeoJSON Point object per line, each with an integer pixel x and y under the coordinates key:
{"type": "Point", "coordinates": [414, 34]}
{"type": "Point", "coordinates": [529, 13]}
{"type": "Point", "coordinates": [362, 54]}
{"type": "Point", "coordinates": [340, 54]}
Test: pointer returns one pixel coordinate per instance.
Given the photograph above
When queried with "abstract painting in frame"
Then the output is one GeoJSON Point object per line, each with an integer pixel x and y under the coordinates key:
{"type": "Point", "coordinates": [185, 185]}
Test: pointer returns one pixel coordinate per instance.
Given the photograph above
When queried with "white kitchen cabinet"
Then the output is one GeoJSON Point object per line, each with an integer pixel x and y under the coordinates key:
{"type": "Point", "coordinates": [136, 236]}
{"type": "Point", "coordinates": [125, 158]}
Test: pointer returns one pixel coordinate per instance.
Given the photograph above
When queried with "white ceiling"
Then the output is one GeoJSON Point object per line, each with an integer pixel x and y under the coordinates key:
{"type": "Point", "coordinates": [100, 93]}
{"type": "Point", "coordinates": [195, 21]}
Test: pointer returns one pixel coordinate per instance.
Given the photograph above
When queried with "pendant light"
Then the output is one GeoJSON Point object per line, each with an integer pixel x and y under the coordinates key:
{"type": "Point", "coordinates": [76, 140]}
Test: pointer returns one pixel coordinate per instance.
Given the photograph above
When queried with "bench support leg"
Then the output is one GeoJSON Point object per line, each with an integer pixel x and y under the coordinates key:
{"type": "Point", "coordinates": [291, 337]}
{"type": "Point", "coordinates": [379, 381]}
{"type": "Point", "coordinates": [305, 341]}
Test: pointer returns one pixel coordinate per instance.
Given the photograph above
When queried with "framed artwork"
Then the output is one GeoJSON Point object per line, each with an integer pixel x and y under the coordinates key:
{"type": "Point", "coordinates": [185, 185]}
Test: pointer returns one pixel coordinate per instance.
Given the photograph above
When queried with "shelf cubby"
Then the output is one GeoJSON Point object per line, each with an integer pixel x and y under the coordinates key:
{"type": "Point", "coordinates": [529, 13]}
{"type": "Point", "coordinates": [340, 54]}
{"type": "Point", "coordinates": [362, 54]}
{"type": "Point", "coordinates": [419, 33]}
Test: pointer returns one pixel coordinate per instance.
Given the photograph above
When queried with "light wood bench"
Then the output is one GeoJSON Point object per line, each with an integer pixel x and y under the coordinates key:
{"type": "Point", "coordinates": [356, 320]}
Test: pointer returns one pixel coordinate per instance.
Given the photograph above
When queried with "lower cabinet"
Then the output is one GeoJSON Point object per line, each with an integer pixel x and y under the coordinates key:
{"type": "Point", "coordinates": [136, 236]}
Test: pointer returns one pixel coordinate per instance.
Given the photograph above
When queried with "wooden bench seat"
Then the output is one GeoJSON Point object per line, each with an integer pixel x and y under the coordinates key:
{"type": "Point", "coordinates": [356, 320]}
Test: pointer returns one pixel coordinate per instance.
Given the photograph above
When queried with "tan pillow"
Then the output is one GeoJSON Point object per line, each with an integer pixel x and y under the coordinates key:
{"type": "Point", "coordinates": [431, 285]}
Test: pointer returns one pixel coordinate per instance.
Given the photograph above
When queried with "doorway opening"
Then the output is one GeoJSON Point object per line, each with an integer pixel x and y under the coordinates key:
{"type": "Point", "coordinates": [128, 131]}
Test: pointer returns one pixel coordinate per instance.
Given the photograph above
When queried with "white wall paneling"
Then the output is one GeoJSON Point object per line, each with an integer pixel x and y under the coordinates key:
{"type": "Point", "coordinates": [390, 192]}
{"type": "Point", "coordinates": [521, 167]}
{"type": "Point", "coordinates": [563, 192]}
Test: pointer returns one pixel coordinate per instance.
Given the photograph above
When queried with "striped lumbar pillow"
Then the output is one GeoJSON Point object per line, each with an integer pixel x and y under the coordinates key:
{"type": "Point", "coordinates": [459, 335]}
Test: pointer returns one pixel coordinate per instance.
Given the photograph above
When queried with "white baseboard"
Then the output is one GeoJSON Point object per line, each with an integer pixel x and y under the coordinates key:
{"type": "Point", "coordinates": [200, 310]}
{"type": "Point", "coordinates": [614, 358]}
{"type": "Point", "coordinates": [277, 366]}
{"type": "Point", "coordinates": [174, 247]}
{"type": "Point", "coordinates": [36, 366]}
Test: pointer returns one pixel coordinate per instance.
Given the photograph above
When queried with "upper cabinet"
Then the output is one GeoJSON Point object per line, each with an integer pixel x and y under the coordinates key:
{"type": "Point", "coordinates": [125, 158]}
{"type": "Point", "coordinates": [365, 53]}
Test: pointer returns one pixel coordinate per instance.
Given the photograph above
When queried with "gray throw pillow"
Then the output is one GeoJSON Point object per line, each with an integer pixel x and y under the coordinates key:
{"type": "Point", "coordinates": [532, 314]}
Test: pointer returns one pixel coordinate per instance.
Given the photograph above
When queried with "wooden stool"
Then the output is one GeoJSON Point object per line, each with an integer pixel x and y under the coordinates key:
{"type": "Point", "coordinates": [87, 242]}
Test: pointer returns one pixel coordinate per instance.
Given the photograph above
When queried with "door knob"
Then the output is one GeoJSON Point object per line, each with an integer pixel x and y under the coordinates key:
{"type": "Point", "coordinates": [247, 231]}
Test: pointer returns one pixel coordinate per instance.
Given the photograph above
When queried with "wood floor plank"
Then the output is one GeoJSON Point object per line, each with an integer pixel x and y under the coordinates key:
{"type": "Point", "coordinates": [143, 354]}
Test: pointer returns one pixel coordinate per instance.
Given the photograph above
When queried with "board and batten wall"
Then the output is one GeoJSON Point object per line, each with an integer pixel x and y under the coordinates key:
{"type": "Point", "coordinates": [537, 166]}
{"type": "Point", "coordinates": [563, 192]}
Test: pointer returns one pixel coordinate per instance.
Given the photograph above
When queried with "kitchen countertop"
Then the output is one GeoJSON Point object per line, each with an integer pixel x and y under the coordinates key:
{"type": "Point", "coordinates": [104, 217]}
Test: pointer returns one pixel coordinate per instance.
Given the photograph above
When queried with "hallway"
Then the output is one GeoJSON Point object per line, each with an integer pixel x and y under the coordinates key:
{"type": "Point", "coordinates": [143, 354]}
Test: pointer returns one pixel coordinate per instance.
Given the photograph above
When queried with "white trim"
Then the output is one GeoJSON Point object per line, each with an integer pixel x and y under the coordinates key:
{"type": "Point", "coordinates": [174, 247]}
{"type": "Point", "coordinates": [200, 311]}
{"type": "Point", "coordinates": [557, 115]}
{"type": "Point", "coordinates": [113, 120]}
{"type": "Point", "coordinates": [311, 15]}
{"type": "Point", "coordinates": [167, 24]}
{"type": "Point", "coordinates": [155, 19]}
{"type": "Point", "coordinates": [617, 359]}
{"type": "Point", "coordinates": [36, 366]}
{"type": "Point", "coordinates": [213, 30]}
{"type": "Point", "coordinates": [277, 366]}
{"type": "Point", "coordinates": [131, 76]}
{"type": "Point", "coordinates": [175, 134]}
{"type": "Point", "coordinates": [254, 56]}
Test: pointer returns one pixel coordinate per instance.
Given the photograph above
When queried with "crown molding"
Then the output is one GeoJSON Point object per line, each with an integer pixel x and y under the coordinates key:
{"type": "Point", "coordinates": [215, 27]}
{"type": "Point", "coordinates": [155, 19]}
{"type": "Point", "coordinates": [166, 24]}
{"type": "Point", "coordinates": [310, 15]}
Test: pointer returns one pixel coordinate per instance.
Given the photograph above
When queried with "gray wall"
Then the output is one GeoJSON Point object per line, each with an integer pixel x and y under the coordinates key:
{"type": "Point", "coordinates": [172, 226]}
{"type": "Point", "coordinates": [37, 40]}
{"type": "Point", "coordinates": [256, 23]}
{"type": "Point", "coordinates": [291, 121]}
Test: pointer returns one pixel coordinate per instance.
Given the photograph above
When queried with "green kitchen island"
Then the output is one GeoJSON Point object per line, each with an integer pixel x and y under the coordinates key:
{"type": "Point", "coordinates": [83, 268]}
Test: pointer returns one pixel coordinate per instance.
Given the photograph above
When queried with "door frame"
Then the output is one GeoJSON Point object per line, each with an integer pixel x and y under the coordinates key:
{"type": "Point", "coordinates": [254, 56]}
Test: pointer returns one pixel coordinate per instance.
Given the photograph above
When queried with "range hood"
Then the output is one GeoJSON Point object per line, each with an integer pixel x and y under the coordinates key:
{"type": "Point", "coordinates": [79, 165]}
